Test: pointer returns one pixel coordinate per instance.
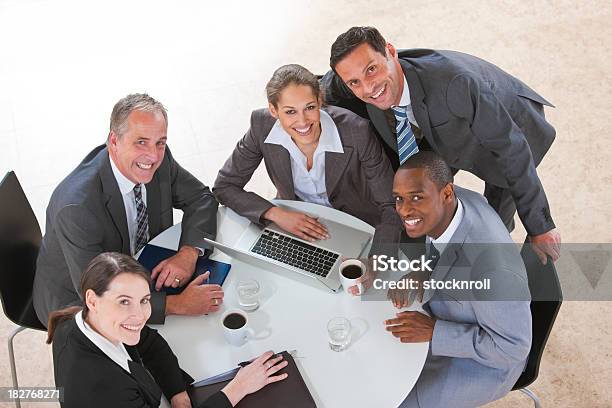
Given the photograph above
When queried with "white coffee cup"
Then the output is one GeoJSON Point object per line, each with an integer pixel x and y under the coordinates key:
{"type": "Point", "coordinates": [347, 282]}
{"type": "Point", "coordinates": [236, 328]}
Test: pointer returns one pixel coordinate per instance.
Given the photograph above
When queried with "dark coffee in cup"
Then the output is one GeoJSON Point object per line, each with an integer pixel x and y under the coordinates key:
{"type": "Point", "coordinates": [234, 321]}
{"type": "Point", "coordinates": [352, 272]}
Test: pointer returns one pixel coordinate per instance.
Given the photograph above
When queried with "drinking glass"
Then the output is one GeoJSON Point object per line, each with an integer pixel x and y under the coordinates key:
{"type": "Point", "coordinates": [248, 294]}
{"type": "Point", "coordinates": [339, 331]}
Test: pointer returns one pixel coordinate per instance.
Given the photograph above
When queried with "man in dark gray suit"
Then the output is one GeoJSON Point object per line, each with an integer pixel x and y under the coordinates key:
{"type": "Point", "coordinates": [479, 338]}
{"type": "Point", "coordinates": [476, 116]}
{"type": "Point", "coordinates": [118, 198]}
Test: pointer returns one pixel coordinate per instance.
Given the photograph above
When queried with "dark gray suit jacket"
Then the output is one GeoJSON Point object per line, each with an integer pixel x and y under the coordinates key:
{"type": "Point", "coordinates": [477, 117]}
{"type": "Point", "coordinates": [86, 216]}
{"type": "Point", "coordinates": [358, 181]}
{"type": "Point", "coordinates": [481, 339]}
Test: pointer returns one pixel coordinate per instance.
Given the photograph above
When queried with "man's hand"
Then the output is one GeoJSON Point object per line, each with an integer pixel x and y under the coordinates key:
{"type": "Point", "coordinates": [405, 297]}
{"type": "Point", "coordinates": [411, 327]}
{"type": "Point", "coordinates": [366, 279]}
{"type": "Point", "coordinates": [545, 244]}
{"type": "Point", "coordinates": [196, 299]}
{"type": "Point", "coordinates": [176, 270]}
{"type": "Point", "coordinates": [304, 226]}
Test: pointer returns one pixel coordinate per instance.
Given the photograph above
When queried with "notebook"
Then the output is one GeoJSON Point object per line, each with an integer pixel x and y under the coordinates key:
{"type": "Point", "coordinates": [290, 392]}
{"type": "Point", "coordinates": [152, 255]}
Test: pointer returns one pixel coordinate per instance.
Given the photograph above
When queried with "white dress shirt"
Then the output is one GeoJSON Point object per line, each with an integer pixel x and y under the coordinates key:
{"type": "Point", "coordinates": [439, 243]}
{"type": "Point", "coordinates": [309, 185]}
{"type": "Point", "coordinates": [116, 353]}
{"type": "Point", "coordinates": [445, 237]}
{"type": "Point", "coordinates": [127, 192]}
{"type": "Point", "coordinates": [405, 101]}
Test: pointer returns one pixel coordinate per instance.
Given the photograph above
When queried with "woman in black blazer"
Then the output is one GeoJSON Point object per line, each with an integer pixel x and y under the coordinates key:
{"type": "Point", "coordinates": [105, 356]}
{"type": "Point", "coordinates": [325, 155]}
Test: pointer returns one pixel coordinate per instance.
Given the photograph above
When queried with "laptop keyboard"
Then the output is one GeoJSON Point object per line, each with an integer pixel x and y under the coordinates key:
{"type": "Point", "coordinates": [291, 251]}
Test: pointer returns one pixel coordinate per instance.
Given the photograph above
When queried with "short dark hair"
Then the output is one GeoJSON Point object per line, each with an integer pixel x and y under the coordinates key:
{"type": "Point", "coordinates": [436, 168]}
{"type": "Point", "coordinates": [353, 38]}
{"type": "Point", "coordinates": [287, 75]}
{"type": "Point", "coordinates": [98, 276]}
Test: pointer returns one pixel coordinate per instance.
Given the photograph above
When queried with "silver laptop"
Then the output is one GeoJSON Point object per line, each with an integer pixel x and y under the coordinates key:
{"type": "Point", "coordinates": [314, 263]}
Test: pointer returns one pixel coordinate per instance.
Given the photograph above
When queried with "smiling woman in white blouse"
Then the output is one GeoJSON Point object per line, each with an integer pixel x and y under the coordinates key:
{"type": "Point", "coordinates": [105, 356]}
{"type": "Point", "coordinates": [319, 154]}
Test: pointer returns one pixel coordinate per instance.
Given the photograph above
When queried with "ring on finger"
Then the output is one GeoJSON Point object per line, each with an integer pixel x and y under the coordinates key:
{"type": "Point", "coordinates": [215, 302]}
{"type": "Point", "coordinates": [177, 280]}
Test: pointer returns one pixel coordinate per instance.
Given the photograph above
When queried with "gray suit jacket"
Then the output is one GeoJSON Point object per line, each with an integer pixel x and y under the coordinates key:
{"type": "Point", "coordinates": [477, 117]}
{"type": "Point", "coordinates": [86, 216]}
{"type": "Point", "coordinates": [481, 339]}
{"type": "Point", "coordinates": [358, 181]}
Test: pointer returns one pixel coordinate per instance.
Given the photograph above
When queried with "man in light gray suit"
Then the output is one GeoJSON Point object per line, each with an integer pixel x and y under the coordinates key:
{"type": "Point", "coordinates": [477, 117]}
{"type": "Point", "coordinates": [120, 196]}
{"type": "Point", "coordinates": [479, 338]}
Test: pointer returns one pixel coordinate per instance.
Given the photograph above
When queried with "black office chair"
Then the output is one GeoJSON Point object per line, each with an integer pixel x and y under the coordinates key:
{"type": "Point", "coordinates": [19, 243]}
{"type": "Point", "coordinates": [546, 301]}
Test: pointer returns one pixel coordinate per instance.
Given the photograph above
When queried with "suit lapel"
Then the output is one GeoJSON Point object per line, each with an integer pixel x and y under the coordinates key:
{"type": "Point", "coordinates": [417, 100]}
{"type": "Point", "coordinates": [379, 121]}
{"type": "Point", "coordinates": [154, 206]}
{"type": "Point", "coordinates": [451, 253]}
{"type": "Point", "coordinates": [447, 259]}
{"type": "Point", "coordinates": [151, 391]}
{"type": "Point", "coordinates": [335, 163]}
{"type": "Point", "coordinates": [114, 202]}
{"type": "Point", "coordinates": [281, 163]}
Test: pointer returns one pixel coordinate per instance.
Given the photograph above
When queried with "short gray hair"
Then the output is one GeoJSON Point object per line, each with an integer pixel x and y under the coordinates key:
{"type": "Point", "coordinates": [130, 103]}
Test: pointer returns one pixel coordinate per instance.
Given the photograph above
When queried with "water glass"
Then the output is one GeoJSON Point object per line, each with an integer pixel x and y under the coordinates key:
{"type": "Point", "coordinates": [248, 294]}
{"type": "Point", "coordinates": [339, 331]}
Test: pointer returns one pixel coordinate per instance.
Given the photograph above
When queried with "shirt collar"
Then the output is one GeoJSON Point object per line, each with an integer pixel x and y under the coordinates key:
{"type": "Point", "coordinates": [329, 141]}
{"type": "Point", "coordinates": [448, 233]}
{"type": "Point", "coordinates": [116, 353]}
{"type": "Point", "coordinates": [405, 99]}
{"type": "Point", "coordinates": [125, 184]}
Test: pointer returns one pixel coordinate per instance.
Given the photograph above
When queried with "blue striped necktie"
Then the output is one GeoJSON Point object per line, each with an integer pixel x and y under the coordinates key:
{"type": "Point", "coordinates": [406, 143]}
{"type": "Point", "coordinates": [142, 220]}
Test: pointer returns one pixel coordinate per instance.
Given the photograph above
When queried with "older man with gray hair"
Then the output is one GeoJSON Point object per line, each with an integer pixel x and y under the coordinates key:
{"type": "Point", "coordinates": [119, 197]}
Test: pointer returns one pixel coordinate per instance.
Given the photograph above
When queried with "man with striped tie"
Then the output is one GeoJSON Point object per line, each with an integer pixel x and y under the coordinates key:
{"type": "Point", "coordinates": [476, 116]}
{"type": "Point", "coordinates": [118, 198]}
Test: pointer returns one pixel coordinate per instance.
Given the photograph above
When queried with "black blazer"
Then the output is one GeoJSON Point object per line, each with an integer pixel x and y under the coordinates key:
{"type": "Point", "coordinates": [91, 379]}
{"type": "Point", "coordinates": [477, 117]}
{"type": "Point", "coordinates": [86, 216]}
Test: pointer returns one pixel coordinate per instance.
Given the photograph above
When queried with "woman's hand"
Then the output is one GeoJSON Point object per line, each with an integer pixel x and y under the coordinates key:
{"type": "Point", "coordinates": [181, 400]}
{"type": "Point", "coordinates": [304, 226]}
{"type": "Point", "coordinates": [255, 376]}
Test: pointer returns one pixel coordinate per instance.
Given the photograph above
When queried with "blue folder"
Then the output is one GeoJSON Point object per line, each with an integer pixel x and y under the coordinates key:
{"type": "Point", "coordinates": [152, 255]}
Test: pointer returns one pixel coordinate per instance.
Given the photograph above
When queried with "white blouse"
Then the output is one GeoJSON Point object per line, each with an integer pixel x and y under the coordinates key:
{"type": "Point", "coordinates": [116, 353]}
{"type": "Point", "coordinates": [309, 185]}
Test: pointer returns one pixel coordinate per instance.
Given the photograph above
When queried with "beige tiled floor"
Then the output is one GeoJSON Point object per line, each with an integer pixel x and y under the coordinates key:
{"type": "Point", "coordinates": [64, 63]}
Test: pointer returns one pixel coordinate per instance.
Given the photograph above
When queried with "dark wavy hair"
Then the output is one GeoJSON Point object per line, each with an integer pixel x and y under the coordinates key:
{"type": "Point", "coordinates": [353, 38]}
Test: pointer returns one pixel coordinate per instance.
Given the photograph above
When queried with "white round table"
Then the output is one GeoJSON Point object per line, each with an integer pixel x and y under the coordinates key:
{"type": "Point", "coordinates": [376, 370]}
